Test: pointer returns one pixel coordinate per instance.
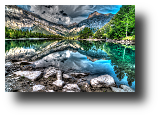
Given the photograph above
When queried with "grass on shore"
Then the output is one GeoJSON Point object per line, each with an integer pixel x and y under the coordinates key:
{"type": "Point", "coordinates": [132, 38]}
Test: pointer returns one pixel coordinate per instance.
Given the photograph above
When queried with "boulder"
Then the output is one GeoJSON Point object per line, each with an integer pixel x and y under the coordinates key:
{"type": "Point", "coordinates": [79, 75]}
{"type": "Point", "coordinates": [71, 88]}
{"type": "Point", "coordinates": [59, 75]}
{"type": "Point", "coordinates": [114, 89]}
{"type": "Point", "coordinates": [51, 71]}
{"type": "Point", "coordinates": [32, 75]}
{"type": "Point", "coordinates": [58, 83]}
{"type": "Point", "coordinates": [38, 88]}
{"type": "Point", "coordinates": [126, 88]}
{"type": "Point", "coordinates": [102, 81]}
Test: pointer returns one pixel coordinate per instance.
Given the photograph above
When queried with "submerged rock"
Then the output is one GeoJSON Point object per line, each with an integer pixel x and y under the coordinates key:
{"type": "Point", "coordinates": [32, 75]}
{"type": "Point", "coordinates": [102, 81]}
{"type": "Point", "coordinates": [71, 88]}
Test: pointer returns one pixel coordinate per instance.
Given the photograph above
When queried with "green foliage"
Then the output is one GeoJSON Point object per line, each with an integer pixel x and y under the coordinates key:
{"type": "Point", "coordinates": [99, 34]}
{"type": "Point", "coordinates": [85, 33]}
{"type": "Point", "coordinates": [121, 25]}
{"type": "Point", "coordinates": [15, 34]}
{"type": "Point", "coordinates": [129, 38]}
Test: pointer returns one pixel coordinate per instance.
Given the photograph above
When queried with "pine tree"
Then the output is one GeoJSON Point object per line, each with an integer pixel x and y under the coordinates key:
{"type": "Point", "coordinates": [122, 24]}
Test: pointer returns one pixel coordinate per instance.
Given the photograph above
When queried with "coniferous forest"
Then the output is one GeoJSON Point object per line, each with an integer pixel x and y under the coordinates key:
{"type": "Point", "coordinates": [121, 26]}
{"type": "Point", "coordinates": [15, 34]}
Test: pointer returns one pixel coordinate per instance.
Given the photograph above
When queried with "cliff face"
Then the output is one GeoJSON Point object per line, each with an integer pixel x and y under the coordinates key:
{"type": "Point", "coordinates": [96, 20]}
{"type": "Point", "coordinates": [94, 14]}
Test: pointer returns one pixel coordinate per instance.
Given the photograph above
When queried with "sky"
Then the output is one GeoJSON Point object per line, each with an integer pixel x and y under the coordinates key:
{"type": "Point", "coordinates": [68, 14]}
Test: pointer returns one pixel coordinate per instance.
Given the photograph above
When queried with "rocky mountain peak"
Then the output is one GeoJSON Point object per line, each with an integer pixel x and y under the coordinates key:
{"type": "Point", "coordinates": [93, 14]}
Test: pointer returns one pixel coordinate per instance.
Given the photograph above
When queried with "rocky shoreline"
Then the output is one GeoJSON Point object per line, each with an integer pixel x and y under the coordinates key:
{"type": "Point", "coordinates": [22, 76]}
{"type": "Point", "coordinates": [126, 42]}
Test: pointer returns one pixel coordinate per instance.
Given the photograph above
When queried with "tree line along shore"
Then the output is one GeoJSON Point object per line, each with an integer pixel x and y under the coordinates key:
{"type": "Point", "coordinates": [120, 27]}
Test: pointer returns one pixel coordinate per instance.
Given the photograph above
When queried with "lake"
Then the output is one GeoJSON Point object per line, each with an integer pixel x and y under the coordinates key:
{"type": "Point", "coordinates": [96, 57]}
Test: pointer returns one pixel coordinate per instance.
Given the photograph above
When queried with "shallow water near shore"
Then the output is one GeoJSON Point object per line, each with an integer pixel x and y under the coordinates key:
{"type": "Point", "coordinates": [95, 57]}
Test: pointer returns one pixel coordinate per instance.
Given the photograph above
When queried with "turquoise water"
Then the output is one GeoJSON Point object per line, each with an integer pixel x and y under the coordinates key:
{"type": "Point", "coordinates": [96, 57]}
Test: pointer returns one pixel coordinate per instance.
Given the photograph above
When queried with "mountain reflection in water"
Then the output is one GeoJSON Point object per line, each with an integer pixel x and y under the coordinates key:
{"type": "Point", "coordinates": [96, 57]}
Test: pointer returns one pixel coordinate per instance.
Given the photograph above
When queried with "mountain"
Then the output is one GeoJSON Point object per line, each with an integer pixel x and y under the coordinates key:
{"type": "Point", "coordinates": [96, 20]}
{"type": "Point", "coordinates": [18, 18]}
{"type": "Point", "coordinates": [94, 14]}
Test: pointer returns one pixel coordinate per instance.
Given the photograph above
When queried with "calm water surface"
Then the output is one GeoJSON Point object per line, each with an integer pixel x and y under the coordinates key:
{"type": "Point", "coordinates": [96, 57]}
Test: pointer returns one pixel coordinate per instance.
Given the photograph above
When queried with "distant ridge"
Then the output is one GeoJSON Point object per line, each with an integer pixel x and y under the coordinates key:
{"type": "Point", "coordinates": [95, 13]}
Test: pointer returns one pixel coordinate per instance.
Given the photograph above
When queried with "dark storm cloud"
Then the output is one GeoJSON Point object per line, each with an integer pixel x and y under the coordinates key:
{"type": "Point", "coordinates": [66, 14]}
{"type": "Point", "coordinates": [62, 13]}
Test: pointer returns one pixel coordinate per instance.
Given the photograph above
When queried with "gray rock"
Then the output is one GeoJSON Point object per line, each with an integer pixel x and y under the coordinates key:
{"type": "Point", "coordinates": [71, 88]}
{"type": "Point", "coordinates": [32, 75]}
{"type": "Point", "coordinates": [114, 89]}
{"type": "Point", "coordinates": [66, 76]}
{"type": "Point", "coordinates": [58, 83]}
{"type": "Point", "coordinates": [59, 75]}
{"type": "Point", "coordinates": [102, 81]}
{"type": "Point", "coordinates": [51, 71]}
{"type": "Point", "coordinates": [38, 88]}
{"type": "Point", "coordinates": [126, 88]}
